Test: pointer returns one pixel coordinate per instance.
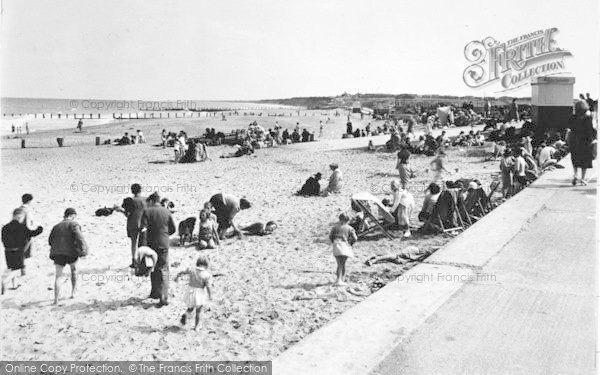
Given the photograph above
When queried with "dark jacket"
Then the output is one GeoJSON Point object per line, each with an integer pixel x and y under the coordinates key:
{"type": "Point", "coordinates": [66, 239]}
{"type": "Point", "coordinates": [160, 224]}
{"type": "Point", "coordinates": [16, 235]}
{"type": "Point", "coordinates": [134, 208]}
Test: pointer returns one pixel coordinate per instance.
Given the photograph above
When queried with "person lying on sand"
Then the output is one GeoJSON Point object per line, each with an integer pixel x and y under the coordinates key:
{"type": "Point", "coordinates": [408, 254]}
{"type": "Point", "coordinates": [311, 187]}
{"type": "Point", "coordinates": [260, 229]}
{"type": "Point", "coordinates": [197, 291]}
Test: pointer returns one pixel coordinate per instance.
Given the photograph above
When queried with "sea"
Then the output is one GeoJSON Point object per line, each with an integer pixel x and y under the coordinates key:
{"type": "Point", "coordinates": [50, 113]}
{"type": "Point", "coordinates": [23, 106]}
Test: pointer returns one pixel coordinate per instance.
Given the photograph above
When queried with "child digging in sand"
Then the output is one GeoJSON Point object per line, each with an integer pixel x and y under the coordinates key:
{"type": "Point", "coordinates": [198, 289]}
{"type": "Point", "coordinates": [342, 236]}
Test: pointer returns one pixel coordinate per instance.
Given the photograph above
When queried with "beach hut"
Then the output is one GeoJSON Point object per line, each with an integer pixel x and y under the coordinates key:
{"type": "Point", "coordinates": [356, 107]}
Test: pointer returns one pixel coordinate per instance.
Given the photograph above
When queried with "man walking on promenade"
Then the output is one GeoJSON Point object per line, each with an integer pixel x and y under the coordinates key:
{"type": "Point", "coordinates": [159, 224]}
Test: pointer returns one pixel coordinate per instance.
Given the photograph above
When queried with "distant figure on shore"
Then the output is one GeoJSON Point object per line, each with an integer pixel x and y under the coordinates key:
{"type": "Point", "coordinates": [159, 224]}
{"type": "Point", "coordinates": [13, 128]}
{"type": "Point", "coordinates": [348, 126]}
{"type": "Point", "coordinates": [80, 125]}
{"type": "Point", "coordinates": [198, 291]}
{"type": "Point", "coordinates": [582, 141]}
{"type": "Point", "coordinates": [163, 138]}
{"type": "Point", "coordinates": [133, 208]}
{"type": "Point", "coordinates": [226, 207]}
{"type": "Point", "coordinates": [66, 246]}
{"type": "Point", "coordinates": [16, 236]}
{"type": "Point", "coordinates": [342, 237]}
{"type": "Point", "coordinates": [27, 128]}
{"type": "Point", "coordinates": [335, 180]}
{"type": "Point", "coordinates": [320, 129]}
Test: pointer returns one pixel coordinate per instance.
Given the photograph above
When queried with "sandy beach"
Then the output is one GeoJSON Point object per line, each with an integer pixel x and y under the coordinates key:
{"type": "Point", "coordinates": [269, 292]}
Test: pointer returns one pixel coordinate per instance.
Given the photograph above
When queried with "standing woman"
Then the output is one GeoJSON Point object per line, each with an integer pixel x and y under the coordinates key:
{"type": "Point", "coordinates": [342, 236]}
{"type": "Point", "coordinates": [581, 141]}
{"type": "Point", "coordinates": [15, 238]}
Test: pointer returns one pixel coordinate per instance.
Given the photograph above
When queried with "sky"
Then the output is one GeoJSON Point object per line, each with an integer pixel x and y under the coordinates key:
{"type": "Point", "coordinates": [248, 50]}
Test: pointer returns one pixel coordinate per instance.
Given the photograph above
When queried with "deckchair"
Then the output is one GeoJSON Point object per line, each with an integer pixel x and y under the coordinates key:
{"type": "Point", "coordinates": [365, 202]}
{"type": "Point", "coordinates": [445, 212]}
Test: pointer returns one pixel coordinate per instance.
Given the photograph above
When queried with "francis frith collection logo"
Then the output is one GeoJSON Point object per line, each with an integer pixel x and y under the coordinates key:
{"type": "Point", "coordinates": [513, 63]}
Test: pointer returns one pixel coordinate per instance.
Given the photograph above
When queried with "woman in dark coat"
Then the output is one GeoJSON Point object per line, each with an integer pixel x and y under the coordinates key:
{"type": "Point", "coordinates": [15, 236]}
{"type": "Point", "coordinates": [580, 141]}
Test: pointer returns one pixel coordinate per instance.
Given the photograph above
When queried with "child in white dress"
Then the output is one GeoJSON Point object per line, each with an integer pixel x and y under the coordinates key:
{"type": "Point", "coordinates": [198, 289]}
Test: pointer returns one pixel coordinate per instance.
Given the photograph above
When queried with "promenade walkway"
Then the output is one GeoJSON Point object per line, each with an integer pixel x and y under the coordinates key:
{"type": "Point", "coordinates": [514, 294]}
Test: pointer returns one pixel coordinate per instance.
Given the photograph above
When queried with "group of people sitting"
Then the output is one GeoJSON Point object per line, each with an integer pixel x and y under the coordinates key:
{"type": "Point", "coordinates": [131, 139]}
{"type": "Point", "coordinates": [312, 186]}
{"type": "Point", "coordinates": [186, 150]}
{"type": "Point", "coordinates": [520, 164]}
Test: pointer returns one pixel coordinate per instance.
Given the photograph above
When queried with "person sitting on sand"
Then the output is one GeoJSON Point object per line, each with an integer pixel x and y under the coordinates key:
{"type": "Point", "coordinates": [260, 229]}
{"type": "Point", "coordinates": [431, 196]}
{"type": "Point", "coordinates": [66, 246]}
{"type": "Point", "coordinates": [15, 237]}
{"type": "Point", "coordinates": [335, 180]}
{"type": "Point", "coordinates": [190, 155]}
{"type": "Point", "coordinates": [311, 187]}
{"type": "Point", "coordinates": [226, 207]}
{"type": "Point", "coordinates": [208, 236]}
{"type": "Point", "coordinates": [546, 156]}
{"type": "Point", "coordinates": [125, 140]}
{"type": "Point", "coordinates": [197, 291]}
{"type": "Point", "coordinates": [145, 261]}
{"type": "Point", "coordinates": [342, 237]}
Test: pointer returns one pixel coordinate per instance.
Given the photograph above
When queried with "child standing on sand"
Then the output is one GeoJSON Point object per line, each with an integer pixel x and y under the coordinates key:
{"type": "Point", "coordinates": [404, 169]}
{"type": "Point", "coordinates": [437, 165]}
{"type": "Point", "coordinates": [198, 289]}
{"type": "Point", "coordinates": [342, 237]}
